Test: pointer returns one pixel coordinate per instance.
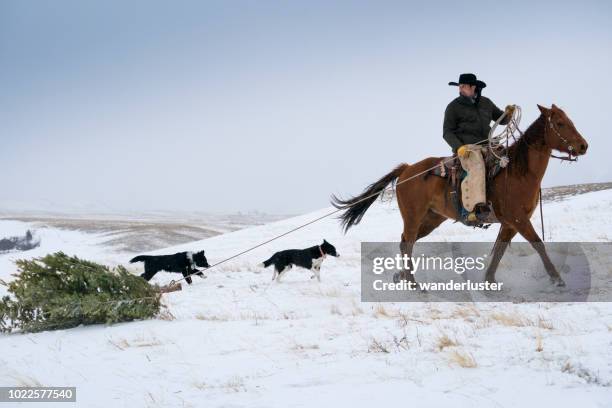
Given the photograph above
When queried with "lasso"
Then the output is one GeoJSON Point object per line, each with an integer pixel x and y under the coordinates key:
{"type": "Point", "coordinates": [503, 137]}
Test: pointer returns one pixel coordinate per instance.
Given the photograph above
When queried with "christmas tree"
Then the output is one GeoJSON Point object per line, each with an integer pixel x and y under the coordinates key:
{"type": "Point", "coordinates": [59, 292]}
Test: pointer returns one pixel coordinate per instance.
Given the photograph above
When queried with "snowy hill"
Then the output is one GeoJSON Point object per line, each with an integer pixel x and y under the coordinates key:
{"type": "Point", "coordinates": [235, 339]}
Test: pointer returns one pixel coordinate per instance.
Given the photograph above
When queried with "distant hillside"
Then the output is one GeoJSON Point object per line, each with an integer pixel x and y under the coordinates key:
{"type": "Point", "coordinates": [557, 193]}
{"type": "Point", "coordinates": [562, 192]}
{"type": "Point", "coordinates": [141, 232]}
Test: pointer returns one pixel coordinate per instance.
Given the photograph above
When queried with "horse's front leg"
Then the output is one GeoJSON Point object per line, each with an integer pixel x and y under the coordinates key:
{"type": "Point", "coordinates": [526, 229]}
{"type": "Point", "coordinates": [505, 235]}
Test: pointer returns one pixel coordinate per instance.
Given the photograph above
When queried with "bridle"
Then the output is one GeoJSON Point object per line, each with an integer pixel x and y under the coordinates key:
{"type": "Point", "coordinates": [570, 148]}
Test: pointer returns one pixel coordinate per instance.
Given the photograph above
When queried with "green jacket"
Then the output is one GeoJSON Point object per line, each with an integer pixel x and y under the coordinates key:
{"type": "Point", "coordinates": [468, 123]}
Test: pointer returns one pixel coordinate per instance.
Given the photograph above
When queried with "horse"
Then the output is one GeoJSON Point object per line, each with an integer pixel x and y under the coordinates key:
{"type": "Point", "coordinates": [513, 193]}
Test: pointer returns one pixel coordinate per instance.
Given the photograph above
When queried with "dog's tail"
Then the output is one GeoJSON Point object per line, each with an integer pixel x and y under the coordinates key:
{"type": "Point", "coordinates": [139, 258]}
{"type": "Point", "coordinates": [267, 262]}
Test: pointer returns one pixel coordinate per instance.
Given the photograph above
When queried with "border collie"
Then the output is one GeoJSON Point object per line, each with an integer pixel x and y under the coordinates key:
{"type": "Point", "coordinates": [182, 262]}
{"type": "Point", "coordinates": [309, 258]}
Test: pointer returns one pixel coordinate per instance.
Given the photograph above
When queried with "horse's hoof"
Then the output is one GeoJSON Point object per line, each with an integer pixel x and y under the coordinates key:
{"type": "Point", "coordinates": [400, 276]}
{"type": "Point", "coordinates": [559, 282]}
{"type": "Point", "coordinates": [396, 277]}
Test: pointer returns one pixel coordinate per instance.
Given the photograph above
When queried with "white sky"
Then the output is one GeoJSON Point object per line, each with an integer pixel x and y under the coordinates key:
{"type": "Point", "coordinates": [273, 106]}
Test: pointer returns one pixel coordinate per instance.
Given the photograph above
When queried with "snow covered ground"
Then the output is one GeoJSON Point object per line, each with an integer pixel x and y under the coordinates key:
{"type": "Point", "coordinates": [234, 339]}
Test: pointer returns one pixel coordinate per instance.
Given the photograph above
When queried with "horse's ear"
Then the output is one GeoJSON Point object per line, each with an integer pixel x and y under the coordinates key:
{"type": "Point", "coordinates": [543, 109]}
{"type": "Point", "coordinates": [554, 106]}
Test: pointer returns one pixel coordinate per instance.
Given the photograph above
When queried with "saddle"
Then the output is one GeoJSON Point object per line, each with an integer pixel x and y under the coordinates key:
{"type": "Point", "coordinates": [450, 169]}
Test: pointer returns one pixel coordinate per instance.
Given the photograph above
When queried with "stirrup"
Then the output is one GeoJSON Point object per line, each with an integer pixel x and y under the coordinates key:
{"type": "Point", "coordinates": [478, 216]}
{"type": "Point", "coordinates": [471, 217]}
{"type": "Point", "coordinates": [477, 223]}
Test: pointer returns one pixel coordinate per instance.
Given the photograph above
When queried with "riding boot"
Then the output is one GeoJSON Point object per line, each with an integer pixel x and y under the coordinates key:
{"type": "Point", "coordinates": [482, 211]}
{"type": "Point", "coordinates": [479, 214]}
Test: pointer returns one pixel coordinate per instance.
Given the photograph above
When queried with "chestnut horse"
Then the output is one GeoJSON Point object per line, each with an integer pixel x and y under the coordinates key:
{"type": "Point", "coordinates": [424, 203]}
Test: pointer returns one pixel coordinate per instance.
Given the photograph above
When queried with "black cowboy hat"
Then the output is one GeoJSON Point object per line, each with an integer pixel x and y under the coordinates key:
{"type": "Point", "coordinates": [469, 79]}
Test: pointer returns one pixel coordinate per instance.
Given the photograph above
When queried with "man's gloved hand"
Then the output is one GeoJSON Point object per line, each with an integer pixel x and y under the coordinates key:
{"type": "Point", "coordinates": [510, 110]}
{"type": "Point", "coordinates": [463, 151]}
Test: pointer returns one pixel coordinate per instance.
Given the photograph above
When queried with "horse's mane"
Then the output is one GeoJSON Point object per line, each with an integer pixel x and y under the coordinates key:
{"type": "Point", "coordinates": [518, 152]}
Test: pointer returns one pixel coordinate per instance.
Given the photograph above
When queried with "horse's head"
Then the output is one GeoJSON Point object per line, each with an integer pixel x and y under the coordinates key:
{"type": "Point", "coordinates": [561, 134]}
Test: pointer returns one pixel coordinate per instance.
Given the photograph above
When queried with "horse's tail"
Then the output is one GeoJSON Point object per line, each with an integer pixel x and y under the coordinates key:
{"type": "Point", "coordinates": [356, 207]}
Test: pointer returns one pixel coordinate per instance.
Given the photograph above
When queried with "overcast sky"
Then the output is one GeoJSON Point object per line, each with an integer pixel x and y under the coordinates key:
{"type": "Point", "coordinates": [272, 106]}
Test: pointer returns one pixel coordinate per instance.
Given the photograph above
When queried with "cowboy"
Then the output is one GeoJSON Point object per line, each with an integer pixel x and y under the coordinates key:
{"type": "Point", "coordinates": [466, 126]}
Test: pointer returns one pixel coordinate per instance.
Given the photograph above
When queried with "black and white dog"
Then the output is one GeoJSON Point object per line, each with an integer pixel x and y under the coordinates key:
{"type": "Point", "coordinates": [309, 258]}
{"type": "Point", "coordinates": [182, 262]}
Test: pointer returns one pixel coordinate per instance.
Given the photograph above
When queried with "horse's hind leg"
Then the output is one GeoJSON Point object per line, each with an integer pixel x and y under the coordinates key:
{"type": "Point", "coordinates": [430, 223]}
{"type": "Point", "coordinates": [409, 237]}
{"type": "Point", "coordinates": [406, 250]}
{"type": "Point", "coordinates": [504, 236]}
{"type": "Point", "coordinates": [413, 199]}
